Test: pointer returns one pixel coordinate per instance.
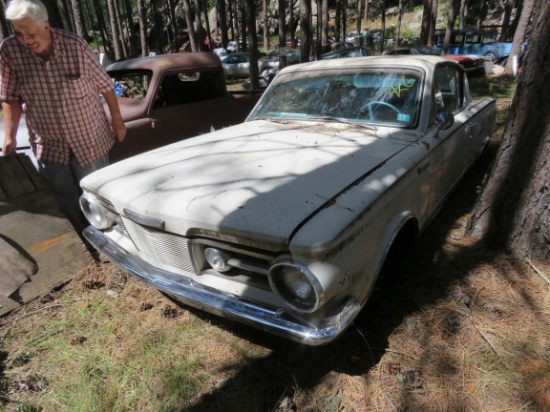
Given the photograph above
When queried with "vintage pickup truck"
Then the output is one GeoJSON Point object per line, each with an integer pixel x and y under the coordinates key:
{"type": "Point", "coordinates": [284, 221]}
{"type": "Point", "coordinates": [170, 97]}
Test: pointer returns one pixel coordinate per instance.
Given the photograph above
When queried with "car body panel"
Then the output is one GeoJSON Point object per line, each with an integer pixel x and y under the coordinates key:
{"type": "Point", "coordinates": [171, 97]}
{"type": "Point", "coordinates": [295, 194]}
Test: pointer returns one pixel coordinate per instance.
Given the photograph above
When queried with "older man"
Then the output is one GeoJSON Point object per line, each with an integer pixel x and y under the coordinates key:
{"type": "Point", "coordinates": [55, 76]}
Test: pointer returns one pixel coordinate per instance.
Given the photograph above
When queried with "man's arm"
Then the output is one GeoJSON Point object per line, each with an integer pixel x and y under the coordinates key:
{"type": "Point", "coordinates": [12, 115]}
{"type": "Point", "coordinates": [116, 119]}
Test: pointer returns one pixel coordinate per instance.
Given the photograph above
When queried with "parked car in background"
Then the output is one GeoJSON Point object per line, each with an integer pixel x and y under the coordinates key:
{"type": "Point", "coordinates": [473, 64]}
{"type": "Point", "coordinates": [284, 221]}
{"type": "Point", "coordinates": [236, 65]}
{"type": "Point", "coordinates": [166, 98]}
{"type": "Point", "coordinates": [357, 51]}
{"type": "Point", "coordinates": [478, 42]}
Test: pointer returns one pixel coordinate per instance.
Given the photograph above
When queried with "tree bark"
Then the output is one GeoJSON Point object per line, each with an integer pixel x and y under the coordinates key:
{"type": "Point", "coordinates": [265, 28]}
{"type": "Point", "coordinates": [142, 28]}
{"type": "Point", "coordinates": [513, 210]}
{"type": "Point", "coordinates": [519, 36]}
{"type": "Point", "coordinates": [426, 23]}
{"type": "Point", "coordinates": [250, 8]}
{"type": "Point", "coordinates": [114, 30]}
{"type": "Point", "coordinates": [223, 22]}
{"type": "Point", "coordinates": [454, 8]}
{"type": "Point", "coordinates": [79, 21]}
{"type": "Point", "coordinates": [508, 6]}
{"type": "Point", "coordinates": [282, 34]}
{"type": "Point", "coordinates": [305, 30]}
{"type": "Point", "coordinates": [189, 21]}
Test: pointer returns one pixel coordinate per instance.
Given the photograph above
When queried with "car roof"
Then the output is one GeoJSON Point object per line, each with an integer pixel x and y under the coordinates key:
{"type": "Point", "coordinates": [426, 62]}
{"type": "Point", "coordinates": [167, 62]}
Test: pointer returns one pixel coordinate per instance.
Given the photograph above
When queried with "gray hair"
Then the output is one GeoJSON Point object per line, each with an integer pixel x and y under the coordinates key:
{"type": "Point", "coordinates": [33, 9]}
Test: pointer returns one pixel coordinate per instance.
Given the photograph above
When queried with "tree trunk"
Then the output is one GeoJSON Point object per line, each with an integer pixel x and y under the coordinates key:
{"type": "Point", "coordinates": [426, 23]}
{"type": "Point", "coordinates": [107, 44]}
{"type": "Point", "coordinates": [359, 12]}
{"type": "Point", "coordinates": [519, 37]}
{"type": "Point", "coordinates": [129, 18]}
{"type": "Point", "coordinates": [189, 21]}
{"type": "Point", "coordinates": [512, 211]}
{"type": "Point", "coordinates": [79, 22]}
{"type": "Point", "coordinates": [433, 22]}
{"type": "Point", "coordinates": [383, 27]}
{"type": "Point", "coordinates": [143, 28]}
{"type": "Point", "coordinates": [366, 11]}
{"type": "Point", "coordinates": [324, 24]}
{"type": "Point", "coordinates": [463, 14]}
{"type": "Point", "coordinates": [305, 30]}
{"type": "Point", "coordinates": [114, 30]}
{"type": "Point", "coordinates": [250, 8]}
{"type": "Point", "coordinates": [399, 18]}
{"type": "Point", "coordinates": [454, 8]}
{"type": "Point", "coordinates": [282, 34]}
{"type": "Point", "coordinates": [122, 39]}
{"type": "Point", "coordinates": [200, 32]}
{"type": "Point", "coordinates": [265, 28]}
{"type": "Point", "coordinates": [508, 6]}
{"type": "Point", "coordinates": [207, 26]}
{"type": "Point", "coordinates": [223, 22]}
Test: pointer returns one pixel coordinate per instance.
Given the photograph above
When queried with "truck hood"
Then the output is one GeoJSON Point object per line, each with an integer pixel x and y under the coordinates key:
{"type": "Point", "coordinates": [257, 181]}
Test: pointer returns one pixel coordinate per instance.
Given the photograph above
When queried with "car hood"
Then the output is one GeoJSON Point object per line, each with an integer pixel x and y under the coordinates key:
{"type": "Point", "coordinates": [256, 181]}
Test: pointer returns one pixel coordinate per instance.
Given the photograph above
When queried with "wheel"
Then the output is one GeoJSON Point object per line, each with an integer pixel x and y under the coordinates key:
{"type": "Point", "coordinates": [492, 55]}
{"type": "Point", "coordinates": [370, 105]}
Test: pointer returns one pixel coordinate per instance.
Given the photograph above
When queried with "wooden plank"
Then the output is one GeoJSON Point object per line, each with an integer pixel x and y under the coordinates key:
{"type": "Point", "coordinates": [37, 179]}
{"type": "Point", "coordinates": [13, 177]}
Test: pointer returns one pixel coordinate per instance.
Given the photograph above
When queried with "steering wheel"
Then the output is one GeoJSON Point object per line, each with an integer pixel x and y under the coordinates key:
{"type": "Point", "coordinates": [370, 105]}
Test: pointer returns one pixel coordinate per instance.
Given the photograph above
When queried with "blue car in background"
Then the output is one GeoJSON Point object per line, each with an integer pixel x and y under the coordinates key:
{"type": "Point", "coordinates": [480, 42]}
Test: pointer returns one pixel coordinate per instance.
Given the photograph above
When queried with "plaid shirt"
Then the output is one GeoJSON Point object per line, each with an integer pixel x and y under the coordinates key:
{"type": "Point", "coordinates": [62, 103]}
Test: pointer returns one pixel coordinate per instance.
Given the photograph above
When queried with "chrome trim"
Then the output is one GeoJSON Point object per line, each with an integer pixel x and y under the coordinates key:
{"type": "Point", "coordinates": [228, 306]}
{"type": "Point", "coordinates": [144, 220]}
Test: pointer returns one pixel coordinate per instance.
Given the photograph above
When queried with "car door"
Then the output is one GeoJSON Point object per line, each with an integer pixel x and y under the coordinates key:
{"type": "Point", "coordinates": [453, 146]}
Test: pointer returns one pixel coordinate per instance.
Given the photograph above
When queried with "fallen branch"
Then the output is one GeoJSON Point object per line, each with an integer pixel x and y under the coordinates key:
{"type": "Point", "coordinates": [484, 336]}
{"type": "Point", "coordinates": [538, 272]}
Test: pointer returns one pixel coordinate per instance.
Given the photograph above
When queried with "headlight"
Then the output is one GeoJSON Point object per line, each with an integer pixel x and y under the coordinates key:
{"type": "Point", "coordinates": [217, 259]}
{"type": "Point", "coordinates": [97, 214]}
{"type": "Point", "coordinates": [295, 285]}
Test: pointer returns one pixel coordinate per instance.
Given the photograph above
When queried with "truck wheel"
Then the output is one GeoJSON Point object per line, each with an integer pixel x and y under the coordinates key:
{"type": "Point", "coordinates": [492, 55]}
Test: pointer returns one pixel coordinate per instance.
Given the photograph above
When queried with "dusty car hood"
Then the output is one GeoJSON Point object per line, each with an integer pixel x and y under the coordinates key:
{"type": "Point", "coordinates": [258, 180]}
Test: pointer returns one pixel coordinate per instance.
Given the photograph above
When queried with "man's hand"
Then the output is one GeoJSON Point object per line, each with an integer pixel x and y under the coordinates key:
{"type": "Point", "coordinates": [9, 146]}
{"type": "Point", "coordinates": [119, 128]}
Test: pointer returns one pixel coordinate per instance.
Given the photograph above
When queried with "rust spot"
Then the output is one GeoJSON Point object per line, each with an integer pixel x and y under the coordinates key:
{"type": "Point", "coordinates": [40, 247]}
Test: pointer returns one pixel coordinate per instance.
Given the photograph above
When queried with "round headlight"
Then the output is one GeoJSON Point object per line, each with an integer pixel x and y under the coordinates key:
{"type": "Point", "coordinates": [295, 285]}
{"type": "Point", "coordinates": [217, 259]}
{"type": "Point", "coordinates": [97, 214]}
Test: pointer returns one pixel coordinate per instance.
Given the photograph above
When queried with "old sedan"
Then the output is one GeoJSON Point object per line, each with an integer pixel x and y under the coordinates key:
{"type": "Point", "coordinates": [284, 222]}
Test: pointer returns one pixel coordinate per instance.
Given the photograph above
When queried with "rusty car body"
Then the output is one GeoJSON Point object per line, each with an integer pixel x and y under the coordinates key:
{"type": "Point", "coordinates": [284, 221]}
{"type": "Point", "coordinates": [170, 97]}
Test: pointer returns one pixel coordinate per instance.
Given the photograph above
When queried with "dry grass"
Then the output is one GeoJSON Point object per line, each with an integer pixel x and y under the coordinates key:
{"type": "Point", "coordinates": [466, 329]}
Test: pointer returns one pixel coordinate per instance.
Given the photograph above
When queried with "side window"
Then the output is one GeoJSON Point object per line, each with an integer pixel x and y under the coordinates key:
{"type": "Point", "coordinates": [448, 89]}
{"type": "Point", "coordinates": [189, 87]}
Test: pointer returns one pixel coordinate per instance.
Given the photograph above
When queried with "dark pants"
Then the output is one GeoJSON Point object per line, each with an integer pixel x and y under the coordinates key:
{"type": "Point", "coordinates": [65, 181]}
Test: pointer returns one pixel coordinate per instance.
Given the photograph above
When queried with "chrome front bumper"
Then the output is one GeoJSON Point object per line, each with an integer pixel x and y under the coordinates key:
{"type": "Point", "coordinates": [228, 306]}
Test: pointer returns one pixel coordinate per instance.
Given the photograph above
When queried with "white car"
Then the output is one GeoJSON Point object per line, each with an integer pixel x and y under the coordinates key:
{"type": "Point", "coordinates": [284, 222]}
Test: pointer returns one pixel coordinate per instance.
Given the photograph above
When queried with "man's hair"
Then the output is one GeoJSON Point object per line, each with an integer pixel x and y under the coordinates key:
{"type": "Point", "coordinates": [33, 9]}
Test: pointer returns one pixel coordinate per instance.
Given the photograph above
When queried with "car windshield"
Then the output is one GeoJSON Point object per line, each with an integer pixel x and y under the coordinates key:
{"type": "Point", "coordinates": [132, 84]}
{"type": "Point", "coordinates": [389, 97]}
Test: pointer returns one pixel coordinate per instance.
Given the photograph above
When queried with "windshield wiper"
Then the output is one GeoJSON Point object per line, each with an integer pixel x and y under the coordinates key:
{"type": "Point", "coordinates": [342, 120]}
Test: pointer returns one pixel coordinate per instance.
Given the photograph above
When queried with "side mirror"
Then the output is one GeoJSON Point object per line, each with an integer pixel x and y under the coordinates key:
{"type": "Point", "coordinates": [445, 119]}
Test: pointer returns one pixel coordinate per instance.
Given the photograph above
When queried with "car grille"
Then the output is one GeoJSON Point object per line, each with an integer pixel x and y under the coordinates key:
{"type": "Point", "coordinates": [164, 247]}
